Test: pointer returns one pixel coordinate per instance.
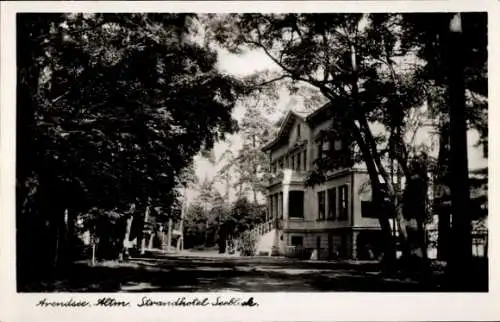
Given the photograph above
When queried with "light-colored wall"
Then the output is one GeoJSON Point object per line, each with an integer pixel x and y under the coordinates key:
{"type": "Point", "coordinates": [292, 139]}
{"type": "Point", "coordinates": [309, 241]}
{"type": "Point", "coordinates": [304, 132]}
{"type": "Point", "coordinates": [362, 191]}
{"type": "Point", "coordinates": [310, 221]}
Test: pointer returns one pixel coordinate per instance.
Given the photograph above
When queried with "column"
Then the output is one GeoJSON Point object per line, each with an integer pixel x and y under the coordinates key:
{"type": "Point", "coordinates": [285, 203]}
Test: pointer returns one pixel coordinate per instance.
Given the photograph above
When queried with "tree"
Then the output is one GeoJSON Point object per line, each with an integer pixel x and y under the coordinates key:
{"type": "Point", "coordinates": [458, 100]}
{"type": "Point", "coordinates": [250, 163]}
{"type": "Point", "coordinates": [111, 108]}
{"type": "Point", "coordinates": [256, 130]}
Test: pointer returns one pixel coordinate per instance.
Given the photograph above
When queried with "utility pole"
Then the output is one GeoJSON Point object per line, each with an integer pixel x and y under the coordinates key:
{"type": "Point", "coordinates": [461, 243]}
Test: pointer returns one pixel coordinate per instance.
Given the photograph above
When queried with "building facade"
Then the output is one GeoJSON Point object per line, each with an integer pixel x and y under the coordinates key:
{"type": "Point", "coordinates": [329, 220]}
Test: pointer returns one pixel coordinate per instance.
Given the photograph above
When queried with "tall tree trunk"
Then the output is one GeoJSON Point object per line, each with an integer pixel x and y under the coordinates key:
{"type": "Point", "coordinates": [126, 239]}
{"type": "Point", "coordinates": [142, 232]}
{"type": "Point", "coordinates": [461, 252]}
{"type": "Point", "coordinates": [226, 195]}
{"type": "Point", "coordinates": [365, 142]}
{"type": "Point", "coordinates": [441, 186]}
{"type": "Point", "coordinates": [169, 234]}
{"type": "Point", "coordinates": [378, 199]}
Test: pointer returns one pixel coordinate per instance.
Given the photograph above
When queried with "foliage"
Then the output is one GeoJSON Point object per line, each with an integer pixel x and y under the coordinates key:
{"type": "Point", "coordinates": [248, 245]}
{"type": "Point", "coordinates": [210, 219]}
{"type": "Point", "coordinates": [111, 109]}
{"type": "Point", "coordinates": [249, 165]}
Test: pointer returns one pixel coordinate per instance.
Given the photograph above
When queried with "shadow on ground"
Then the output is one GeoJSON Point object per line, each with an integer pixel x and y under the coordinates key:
{"type": "Point", "coordinates": [189, 274]}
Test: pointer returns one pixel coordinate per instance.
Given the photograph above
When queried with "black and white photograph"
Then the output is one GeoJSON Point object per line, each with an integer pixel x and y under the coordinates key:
{"type": "Point", "coordinates": [164, 155]}
{"type": "Point", "coordinates": [291, 152]}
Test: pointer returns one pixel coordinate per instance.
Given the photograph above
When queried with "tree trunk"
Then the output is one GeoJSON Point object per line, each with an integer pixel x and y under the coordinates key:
{"type": "Point", "coordinates": [126, 239]}
{"type": "Point", "coordinates": [142, 234]}
{"type": "Point", "coordinates": [365, 141]}
{"type": "Point", "coordinates": [442, 184]}
{"type": "Point", "coordinates": [169, 234]}
{"type": "Point", "coordinates": [227, 187]}
{"type": "Point", "coordinates": [378, 199]}
{"type": "Point", "coordinates": [461, 252]}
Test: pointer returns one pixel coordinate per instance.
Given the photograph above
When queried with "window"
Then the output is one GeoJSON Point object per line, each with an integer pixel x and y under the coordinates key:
{"type": "Point", "coordinates": [319, 150]}
{"type": "Point", "coordinates": [297, 241]}
{"type": "Point", "coordinates": [323, 146]}
{"type": "Point", "coordinates": [332, 203]}
{"type": "Point", "coordinates": [299, 156]}
{"type": "Point", "coordinates": [280, 205]}
{"type": "Point", "coordinates": [305, 159]}
{"type": "Point", "coordinates": [298, 130]}
{"type": "Point", "coordinates": [326, 145]}
{"type": "Point", "coordinates": [343, 202]}
{"type": "Point", "coordinates": [292, 162]}
{"type": "Point", "coordinates": [321, 205]}
{"type": "Point", "coordinates": [368, 210]}
{"type": "Point", "coordinates": [271, 213]}
{"type": "Point", "coordinates": [296, 204]}
{"type": "Point", "coordinates": [274, 206]}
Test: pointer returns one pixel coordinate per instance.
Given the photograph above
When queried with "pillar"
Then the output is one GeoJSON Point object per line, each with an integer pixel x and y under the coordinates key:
{"type": "Point", "coordinates": [285, 202]}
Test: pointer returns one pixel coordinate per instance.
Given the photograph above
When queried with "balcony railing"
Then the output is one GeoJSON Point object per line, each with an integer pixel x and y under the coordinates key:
{"type": "Point", "coordinates": [287, 175]}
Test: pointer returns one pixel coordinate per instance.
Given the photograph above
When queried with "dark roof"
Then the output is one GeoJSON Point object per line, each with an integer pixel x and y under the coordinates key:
{"type": "Point", "coordinates": [288, 122]}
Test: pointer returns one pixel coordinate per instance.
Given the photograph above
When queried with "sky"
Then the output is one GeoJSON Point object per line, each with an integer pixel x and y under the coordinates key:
{"type": "Point", "coordinates": [238, 65]}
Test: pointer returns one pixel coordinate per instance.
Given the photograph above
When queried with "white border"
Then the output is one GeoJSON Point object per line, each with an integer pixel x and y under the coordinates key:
{"type": "Point", "coordinates": [273, 306]}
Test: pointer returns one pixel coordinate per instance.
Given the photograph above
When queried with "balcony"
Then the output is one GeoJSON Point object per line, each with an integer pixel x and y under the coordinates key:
{"type": "Point", "coordinates": [287, 176]}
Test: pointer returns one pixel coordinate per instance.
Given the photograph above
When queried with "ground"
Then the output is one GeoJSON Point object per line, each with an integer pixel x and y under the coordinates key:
{"type": "Point", "coordinates": [205, 272]}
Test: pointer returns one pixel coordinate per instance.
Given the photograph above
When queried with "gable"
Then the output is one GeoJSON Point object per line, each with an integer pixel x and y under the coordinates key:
{"type": "Point", "coordinates": [288, 131]}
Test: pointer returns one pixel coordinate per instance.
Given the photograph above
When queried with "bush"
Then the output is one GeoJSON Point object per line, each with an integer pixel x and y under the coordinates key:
{"type": "Point", "coordinates": [248, 246]}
